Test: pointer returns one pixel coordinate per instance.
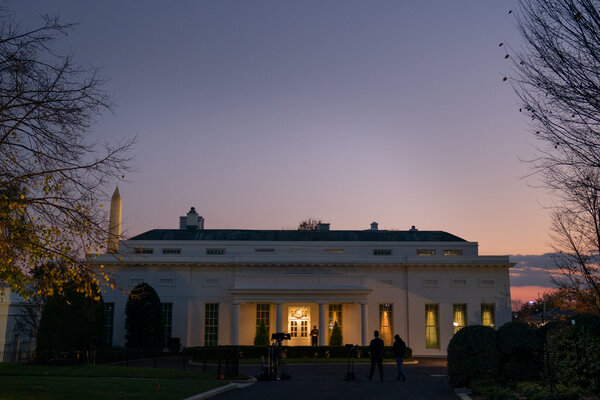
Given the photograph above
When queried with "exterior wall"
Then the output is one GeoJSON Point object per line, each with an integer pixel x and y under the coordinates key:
{"type": "Point", "coordinates": [14, 344]}
{"type": "Point", "coordinates": [402, 285]}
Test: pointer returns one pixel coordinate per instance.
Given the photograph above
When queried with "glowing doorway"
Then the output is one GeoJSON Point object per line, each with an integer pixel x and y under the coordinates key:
{"type": "Point", "coordinates": [298, 326]}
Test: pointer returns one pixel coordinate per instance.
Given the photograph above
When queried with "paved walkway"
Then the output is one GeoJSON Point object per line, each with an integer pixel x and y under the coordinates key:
{"type": "Point", "coordinates": [426, 380]}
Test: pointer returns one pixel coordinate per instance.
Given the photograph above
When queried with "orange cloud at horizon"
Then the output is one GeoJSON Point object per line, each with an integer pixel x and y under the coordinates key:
{"type": "Point", "coordinates": [526, 293]}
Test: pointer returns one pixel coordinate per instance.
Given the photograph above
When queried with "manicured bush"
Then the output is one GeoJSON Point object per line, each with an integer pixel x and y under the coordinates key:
{"type": "Point", "coordinates": [70, 322]}
{"type": "Point", "coordinates": [262, 335]}
{"type": "Point", "coordinates": [472, 354]}
{"type": "Point", "coordinates": [575, 357]}
{"type": "Point", "coordinates": [520, 352]}
{"type": "Point", "coordinates": [336, 336]}
{"type": "Point", "coordinates": [143, 321]}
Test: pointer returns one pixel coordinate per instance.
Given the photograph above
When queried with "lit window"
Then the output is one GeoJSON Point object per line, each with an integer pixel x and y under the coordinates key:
{"type": "Point", "coordinates": [386, 323]}
{"type": "Point", "coordinates": [426, 252]}
{"type": "Point", "coordinates": [453, 252]}
{"type": "Point", "coordinates": [460, 317]}
{"type": "Point", "coordinates": [140, 250]}
{"type": "Point", "coordinates": [488, 315]}
{"type": "Point", "coordinates": [171, 251]}
{"type": "Point", "coordinates": [262, 315]}
{"type": "Point", "coordinates": [432, 326]}
{"type": "Point", "coordinates": [109, 316]}
{"type": "Point", "coordinates": [294, 328]}
{"type": "Point", "coordinates": [335, 315]}
{"type": "Point", "coordinates": [382, 252]}
{"type": "Point", "coordinates": [167, 321]}
{"type": "Point", "coordinates": [215, 252]}
{"type": "Point", "coordinates": [303, 328]}
{"type": "Point", "coordinates": [211, 324]}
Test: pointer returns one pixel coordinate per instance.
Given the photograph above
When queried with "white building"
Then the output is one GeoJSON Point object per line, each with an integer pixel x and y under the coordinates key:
{"type": "Point", "coordinates": [217, 285]}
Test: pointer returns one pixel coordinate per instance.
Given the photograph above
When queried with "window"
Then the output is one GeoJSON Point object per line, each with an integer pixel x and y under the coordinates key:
{"type": "Point", "coordinates": [386, 323]}
{"type": "Point", "coordinates": [333, 250]}
{"type": "Point", "coordinates": [167, 321]}
{"type": "Point", "coordinates": [211, 324]}
{"type": "Point", "coordinates": [431, 283]}
{"type": "Point", "coordinates": [215, 252]}
{"type": "Point", "coordinates": [262, 315]}
{"type": "Point", "coordinates": [294, 328]}
{"type": "Point", "coordinates": [432, 326]}
{"type": "Point", "coordinates": [453, 252]}
{"type": "Point", "coordinates": [382, 252]}
{"type": "Point", "coordinates": [488, 315]}
{"type": "Point", "coordinates": [109, 317]}
{"type": "Point", "coordinates": [212, 282]}
{"type": "Point", "coordinates": [303, 328]}
{"type": "Point", "coordinates": [264, 250]}
{"type": "Point", "coordinates": [165, 282]}
{"type": "Point", "coordinates": [140, 250]}
{"type": "Point", "coordinates": [459, 282]}
{"type": "Point", "coordinates": [171, 251]}
{"type": "Point", "coordinates": [486, 283]}
{"type": "Point", "coordinates": [426, 252]}
{"type": "Point", "coordinates": [335, 315]}
{"type": "Point", "coordinates": [460, 316]}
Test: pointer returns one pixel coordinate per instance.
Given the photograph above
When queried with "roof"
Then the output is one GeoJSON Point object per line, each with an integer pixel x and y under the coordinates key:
{"type": "Point", "coordinates": [298, 235]}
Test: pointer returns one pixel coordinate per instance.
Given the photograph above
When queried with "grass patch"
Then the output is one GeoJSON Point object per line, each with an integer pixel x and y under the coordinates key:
{"type": "Point", "coordinates": [91, 382]}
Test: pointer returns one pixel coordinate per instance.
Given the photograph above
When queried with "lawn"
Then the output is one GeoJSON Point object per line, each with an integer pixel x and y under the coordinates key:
{"type": "Point", "coordinates": [91, 382]}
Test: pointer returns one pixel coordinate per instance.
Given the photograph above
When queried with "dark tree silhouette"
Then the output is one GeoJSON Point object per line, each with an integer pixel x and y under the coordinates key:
{"type": "Point", "coordinates": [309, 224]}
{"type": "Point", "coordinates": [143, 321]}
{"type": "Point", "coordinates": [557, 80]}
{"type": "Point", "coordinates": [52, 173]}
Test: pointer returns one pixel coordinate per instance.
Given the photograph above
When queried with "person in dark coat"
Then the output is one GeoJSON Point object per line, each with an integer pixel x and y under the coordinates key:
{"type": "Point", "coordinates": [399, 348]}
{"type": "Point", "coordinates": [376, 352]}
{"type": "Point", "coordinates": [314, 336]}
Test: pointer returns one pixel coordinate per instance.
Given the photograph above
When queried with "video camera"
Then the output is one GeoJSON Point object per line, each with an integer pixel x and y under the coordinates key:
{"type": "Point", "coordinates": [279, 336]}
{"type": "Point", "coordinates": [352, 350]}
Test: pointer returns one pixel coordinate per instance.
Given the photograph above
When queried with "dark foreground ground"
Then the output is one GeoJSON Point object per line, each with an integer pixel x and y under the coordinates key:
{"type": "Point", "coordinates": [426, 380]}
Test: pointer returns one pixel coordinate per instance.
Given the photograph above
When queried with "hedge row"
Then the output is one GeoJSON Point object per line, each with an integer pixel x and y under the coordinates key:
{"type": "Point", "coordinates": [516, 353]}
{"type": "Point", "coordinates": [214, 353]}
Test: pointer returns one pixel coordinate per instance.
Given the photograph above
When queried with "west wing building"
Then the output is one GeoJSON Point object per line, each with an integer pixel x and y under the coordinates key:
{"type": "Point", "coordinates": [217, 285]}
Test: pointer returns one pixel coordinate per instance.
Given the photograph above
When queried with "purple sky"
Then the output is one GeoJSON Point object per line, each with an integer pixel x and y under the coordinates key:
{"type": "Point", "coordinates": [262, 113]}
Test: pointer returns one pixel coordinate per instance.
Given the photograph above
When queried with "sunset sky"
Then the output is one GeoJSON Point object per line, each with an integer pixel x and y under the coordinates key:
{"type": "Point", "coordinates": [262, 113]}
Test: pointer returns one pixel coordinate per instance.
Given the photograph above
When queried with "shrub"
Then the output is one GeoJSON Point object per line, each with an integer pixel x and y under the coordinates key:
{"type": "Point", "coordinates": [520, 352]}
{"type": "Point", "coordinates": [472, 354]}
{"type": "Point", "coordinates": [575, 354]}
{"type": "Point", "coordinates": [336, 336]}
{"type": "Point", "coordinates": [262, 335]}
{"type": "Point", "coordinates": [174, 345]}
{"type": "Point", "coordinates": [143, 321]}
{"type": "Point", "coordinates": [70, 322]}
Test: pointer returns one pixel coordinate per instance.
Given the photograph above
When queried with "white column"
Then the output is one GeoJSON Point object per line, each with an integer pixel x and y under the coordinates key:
{"type": "Point", "coordinates": [364, 324]}
{"type": "Point", "coordinates": [278, 317]}
{"type": "Point", "coordinates": [322, 326]}
{"type": "Point", "coordinates": [235, 324]}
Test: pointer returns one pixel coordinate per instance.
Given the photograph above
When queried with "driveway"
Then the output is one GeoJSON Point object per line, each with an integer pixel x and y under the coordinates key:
{"type": "Point", "coordinates": [426, 380]}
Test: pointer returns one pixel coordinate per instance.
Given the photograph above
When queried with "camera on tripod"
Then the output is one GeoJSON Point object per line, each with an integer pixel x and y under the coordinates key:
{"type": "Point", "coordinates": [280, 336]}
{"type": "Point", "coordinates": [352, 350]}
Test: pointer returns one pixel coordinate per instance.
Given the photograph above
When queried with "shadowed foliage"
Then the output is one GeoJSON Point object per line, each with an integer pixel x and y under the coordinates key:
{"type": "Point", "coordinates": [143, 318]}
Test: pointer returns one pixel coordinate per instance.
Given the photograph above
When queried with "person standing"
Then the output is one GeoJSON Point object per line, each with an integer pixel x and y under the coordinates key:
{"type": "Point", "coordinates": [376, 353]}
{"type": "Point", "coordinates": [399, 348]}
{"type": "Point", "coordinates": [314, 336]}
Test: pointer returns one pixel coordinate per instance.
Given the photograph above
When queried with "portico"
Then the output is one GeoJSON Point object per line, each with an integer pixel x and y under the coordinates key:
{"type": "Point", "coordinates": [298, 310]}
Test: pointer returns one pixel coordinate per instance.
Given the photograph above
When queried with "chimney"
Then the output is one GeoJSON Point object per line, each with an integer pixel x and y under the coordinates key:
{"type": "Point", "coordinates": [323, 227]}
{"type": "Point", "coordinates": [374, 226]}
{"type": "Point", "coordinates": [191, 221]}
{"type": "Point", "coordinates": [114, 222]}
